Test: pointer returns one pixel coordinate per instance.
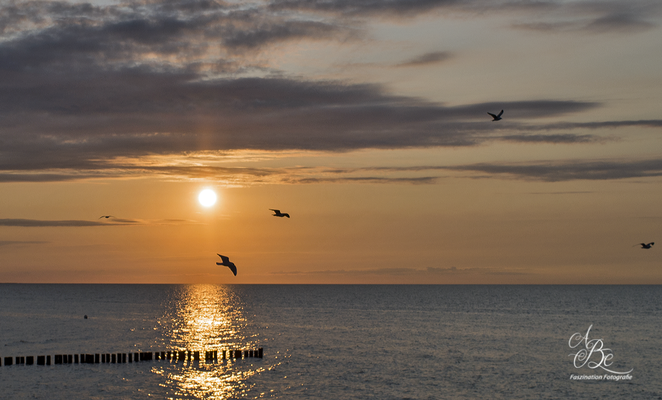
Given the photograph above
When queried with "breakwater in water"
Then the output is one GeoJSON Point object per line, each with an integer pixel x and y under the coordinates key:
{"type": "Point", "coordinates": [176, 356]}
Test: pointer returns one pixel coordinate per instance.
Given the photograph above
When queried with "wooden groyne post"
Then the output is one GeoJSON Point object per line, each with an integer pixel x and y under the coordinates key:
{"type": "Point", "coordinates": [179, 356]}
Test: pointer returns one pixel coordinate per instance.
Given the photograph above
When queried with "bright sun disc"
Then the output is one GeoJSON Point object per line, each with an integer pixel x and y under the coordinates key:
{"type": "Point", "coordinates": [207, 198]}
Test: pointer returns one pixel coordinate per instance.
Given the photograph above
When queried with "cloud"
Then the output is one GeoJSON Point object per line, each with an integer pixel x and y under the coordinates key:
{"type": "Point", "coordinates": [569, 170]}
{"type": "Point", "coordinates": [84, 85]}
{"type": "Point", "coordinates": [365, 179]}
{"type": "Point", "coordinates": [547, 171]}
{"type": "Point", "coordinates": [407, 272]}
{"type": "Point", "coordinates": [363, 7]}
{"type": "Point", "coordinates": [35, 223]}
{"type": "Point", "coordinates": [596, 17]}
{"type": "Point", "coordinates": [559, 138]}
{"type": "Point", "coordinates": [543, 16]}
{"type": "Point", "coordinates": [427, 59]}
{"type": "Point", "coordinates": [19, 242]}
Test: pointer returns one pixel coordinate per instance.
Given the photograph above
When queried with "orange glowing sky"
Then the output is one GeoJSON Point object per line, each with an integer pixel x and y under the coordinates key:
{"type": "Point", "coordinates": [366, 121]}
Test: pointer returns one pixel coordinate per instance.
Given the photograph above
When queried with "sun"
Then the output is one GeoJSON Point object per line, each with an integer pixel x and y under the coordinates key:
{"type": "Point", "coordinates": [207, 198]}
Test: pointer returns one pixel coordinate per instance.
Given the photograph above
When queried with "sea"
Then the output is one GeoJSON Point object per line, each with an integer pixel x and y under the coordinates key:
{"type": "Point", "coordinates": [336, 341]}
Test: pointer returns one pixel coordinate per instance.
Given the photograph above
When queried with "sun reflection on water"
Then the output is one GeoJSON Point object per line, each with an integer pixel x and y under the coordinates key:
{"type": "Point", "coordinates": [207, 318]}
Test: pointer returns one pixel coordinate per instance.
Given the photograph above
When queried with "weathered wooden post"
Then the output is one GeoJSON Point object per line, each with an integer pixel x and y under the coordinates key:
{"type": "Point", "coordinates": [9, 361]}
{"type": "Point", "coordinates": [58, 359]}
{"type": "Point", "coordinates": [112, 358]}
{"type": "Point", "coordinates": [181, 356]}
{"type": "Point", "coordinates": [260, 352]}
{"type": "Point", "coordinates": [196, 356]}
{"type": "Point", "coordinates": [29, 360]}
{"type": "Point", "coordinates": [41, 360]}
{"type": "Point", "coordinates": [75, 358]}
{"type": "Point", "coordinates": [96, 358]}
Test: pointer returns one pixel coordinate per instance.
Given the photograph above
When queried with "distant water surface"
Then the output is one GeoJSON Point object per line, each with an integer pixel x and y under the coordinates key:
{"type": "Point", "coordinates": [333, 341]}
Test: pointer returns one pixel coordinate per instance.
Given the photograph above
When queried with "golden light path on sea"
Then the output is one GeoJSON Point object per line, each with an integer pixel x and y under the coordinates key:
{"type": "Point", "coordinates": [207, 318]}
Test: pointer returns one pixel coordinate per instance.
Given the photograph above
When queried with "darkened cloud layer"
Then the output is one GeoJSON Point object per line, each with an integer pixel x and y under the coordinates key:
{"type": "Point", "coordinates": [83, 84]}
{"type": "Point", "coordinates": [570, 170]}
{"type": "Point", "coordinates": [427, 59]}
{"type": "Point", "coordinates": [545, 16]}
{"type": "Point", "coordinates": [40, 223]}
{"type": "Point", "coordinates": [34, 223]}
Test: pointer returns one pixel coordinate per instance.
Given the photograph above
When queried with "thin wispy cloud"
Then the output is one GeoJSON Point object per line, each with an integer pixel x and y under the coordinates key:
{"type": "Point", "coordinates": [558, 171]}
{"type": "Point", "coordinates": [37, 223]}
{"type": "Point", "coordinates": [20, 242]}
{"type": "Point", "coordinates": [435, 57]}
{"type": "Point", "coordinates": [40, 223]}
{"type": "Point", "coordinates": [407, 272]}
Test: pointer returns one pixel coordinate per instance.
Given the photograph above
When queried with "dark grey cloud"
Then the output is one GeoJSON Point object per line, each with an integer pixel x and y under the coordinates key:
{"type": "Point", "coordinates": [36, 223]}
{"type": "Point", "coordinates": [82, 85]}
{"type": "Point", "coordinates": [425, 180]}
{"type": "Point", "coordinates": [364, 7]}
{"type": "Point", "coordinates": [547, 171]}
{"type": "Point", "coordinates": [619, 23]}
{"type": "Point", "coordinates": [597, 17]}
{"type": "Point", "coordinates": [558, 138]}
{"type": "Point", "coordinates": [427, 59]}
{"type": "Point", "coordinates": [569, 170]}
{"type": "Point", "coordinates": [545, 16]}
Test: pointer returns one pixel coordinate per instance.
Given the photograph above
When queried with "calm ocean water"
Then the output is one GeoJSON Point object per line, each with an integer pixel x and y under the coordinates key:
{"type": "Point", "coordinates": [336, 341]}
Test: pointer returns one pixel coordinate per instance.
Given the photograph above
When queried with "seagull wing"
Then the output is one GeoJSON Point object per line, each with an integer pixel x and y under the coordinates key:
{"type": "Point", "coordinates": [492, 115]}
{"type": "Point", "coordinates": [286, 214]}
{"type": "Point", "coordinates": [274, 210]}
{"type": "Point", "coordinates": [501, 113]}
{"type": "Point", "coordinates": [224, 258]}
{"type": "Point", "coordinates": [233, 268]}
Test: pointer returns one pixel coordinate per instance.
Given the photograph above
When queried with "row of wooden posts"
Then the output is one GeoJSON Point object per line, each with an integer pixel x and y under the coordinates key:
{"type": "Point", "coordinates": [120, 358]}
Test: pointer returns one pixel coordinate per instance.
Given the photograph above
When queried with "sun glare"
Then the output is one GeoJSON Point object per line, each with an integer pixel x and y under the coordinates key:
{"type": "Point", "coordinates": [207, 198]}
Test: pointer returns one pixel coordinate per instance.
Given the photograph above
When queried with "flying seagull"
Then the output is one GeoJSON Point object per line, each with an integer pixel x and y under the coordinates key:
{"type": "Point", "coordinates": [228, 263]}
{"type": "Point", "coordinates": [496, 117]}
{"type": "Point", "coordinates": [106, 216]}
{"type": "Point", "coordinates": [647, 246]}
{"type": "Point", "coordinates": [277, 213]}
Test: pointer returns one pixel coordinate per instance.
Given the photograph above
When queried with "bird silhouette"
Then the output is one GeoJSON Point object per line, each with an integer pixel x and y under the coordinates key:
{"type": "Point", "coordinates": [277, 213]}
{"type": "Point", "coordinates": [226, 262]}
{"type": "Point", "coordinates": [496, 117]}
{"type": "Point", "coordinates": [106, 216]}
{"type": "Point", "coordinates": [647, 246]}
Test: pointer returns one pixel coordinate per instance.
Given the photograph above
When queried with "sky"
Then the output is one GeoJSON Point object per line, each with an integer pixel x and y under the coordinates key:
{"type": "Point", "coordinates": [367, 121]}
